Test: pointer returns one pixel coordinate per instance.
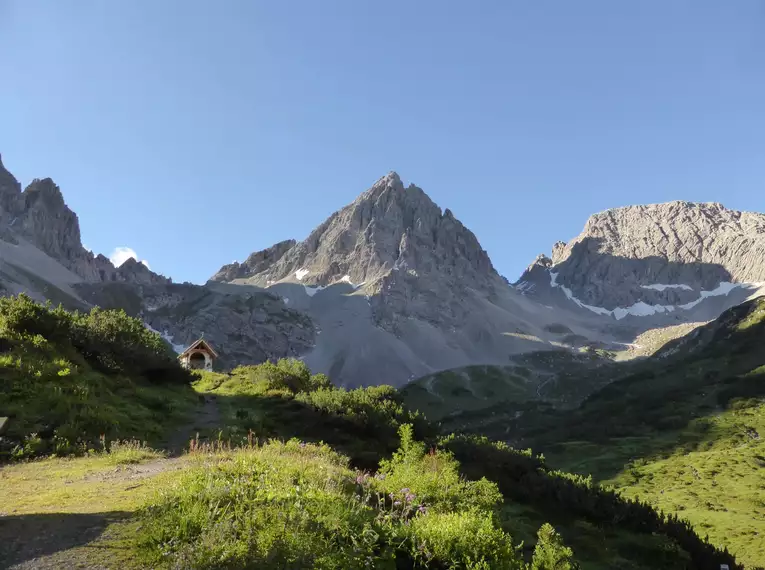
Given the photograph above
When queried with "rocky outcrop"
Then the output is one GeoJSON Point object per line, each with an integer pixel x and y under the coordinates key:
{"type": "Point", "coordinates": [397, 288]}
{"type": "Point", "coordinates": [537, 272]}
{"type": "Point", "coordinates": [391, 287]}
{"type": "Point", "coordinates": [41, 253]}
{"type": "Point", "coordinates": [40, 216]}
{"type": "Point", "coordinates": [257, 262]}
{"type": "Point", "coordinates": [248, 326]}
{"type": "Point", "coordinates": [9, 192]}
{"type": "Point", "coordinates": [659, 254]}
{"type": "Point", "coordinates": [413, 259]}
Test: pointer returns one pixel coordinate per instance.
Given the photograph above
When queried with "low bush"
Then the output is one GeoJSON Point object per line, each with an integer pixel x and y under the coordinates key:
{"type": "Point", "coordinates": [550, 553]}
{"type": "Point", "coordinates": [110, 341]}
{"type": "Point", "coordinates": [287, 374]}
{"type": "Point", "coordinates": [297, 505]}
{"type": "Point", "coordinates": [361, 423]}
{"type": "Point", "coordinates": [66, 379]}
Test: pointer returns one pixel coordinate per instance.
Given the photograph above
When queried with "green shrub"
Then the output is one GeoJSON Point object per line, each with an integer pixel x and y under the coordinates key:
{"type": "Point", "coordinates": [24, 316]}
{"type": "Point", "coordinates": [462, 540]}
{"type": "Point", "coordinates": [288, 374]}
{"type": "Point", "coordinates": [110, 341]}
{"type": "Point", "coordinates": [277, 506]}
{"type": "Point", "coordinates": [433, 479]}
{"type": "Point", "coordinates": [297, 505]}
{"type": "Point", "coordinates": [67, 378]}
{"type": "Point", "coordinates": [116, 343]}
{"type": "Point", "coordinates": [361, 423]}
{"type": "Point", "coordinates": [550, 553]}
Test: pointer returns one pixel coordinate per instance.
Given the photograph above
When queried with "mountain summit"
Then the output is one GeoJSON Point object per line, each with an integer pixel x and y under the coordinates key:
{"type": "Point", "coordinates": [392, 287]}
{"type": "Point", "coordinates": [398, 286]}
{"type": "Point", "coordinates": [658, 258]}
{"type": "Point", "coordinates": [39, 217]}
{"type": "Point", "coordinates": [396, 243]}
{"type": "Point", "coordinates": [388, 228]}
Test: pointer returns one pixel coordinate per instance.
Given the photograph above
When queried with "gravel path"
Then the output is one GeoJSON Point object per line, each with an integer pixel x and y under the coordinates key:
{"type": "Point", "coordinates": [93, 541]}
{"type": "Point", "coordinates": [208, 418]}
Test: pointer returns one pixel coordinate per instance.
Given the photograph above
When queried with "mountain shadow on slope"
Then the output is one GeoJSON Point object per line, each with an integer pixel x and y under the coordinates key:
{"type": "Point", "coordinates": [610, 281]}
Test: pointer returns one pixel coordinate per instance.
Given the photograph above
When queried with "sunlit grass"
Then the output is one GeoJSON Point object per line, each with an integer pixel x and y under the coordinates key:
{"type": "Point", "coordinates": [131, 452]}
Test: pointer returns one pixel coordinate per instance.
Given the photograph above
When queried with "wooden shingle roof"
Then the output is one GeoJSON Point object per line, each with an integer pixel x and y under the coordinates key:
{"type": "Point", "coordinates": [200, 344]}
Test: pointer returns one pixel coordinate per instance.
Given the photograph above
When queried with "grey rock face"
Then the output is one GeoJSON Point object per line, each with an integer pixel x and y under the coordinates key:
{"type": "Point", "coordinates": [40, 216]}
{"type": "Point", "coordinates": [42, 254]}
{"type": "Point", "coordinates": [391, 287]}
{"type": "Point", "coordinates": [398, 288]}
{"type": "Point", "coordinates": [413, 259]}
{"type": "Point", "coordinates": [256, 263]}
{"type": "Point", "coordinates": [9, 192]}
{"type": "Point", "coordinates": [624, 250]}
{"type": "Point", "coordinates": [248, 326]}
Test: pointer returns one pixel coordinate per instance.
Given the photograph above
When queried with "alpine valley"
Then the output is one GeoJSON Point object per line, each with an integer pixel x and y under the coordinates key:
{"type": "Point", "coordinates": [632, 353]}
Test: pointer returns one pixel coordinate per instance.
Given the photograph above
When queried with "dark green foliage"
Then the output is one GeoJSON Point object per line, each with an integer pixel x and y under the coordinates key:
{"type": "Point", "coordinates": [110, 341]}
{"type": "Point", "coordinates": [363, 423]}
{"type": "Point", "coordinates": [524, 478]}
{"type": "Point", "coordinates": [66, 379]}
{"type": "Point", "coordinates": [680, 430]}
{"type": "Point", "coordinates": [263, 399]}
{"type": "Point", "coordinates": [286, 374]}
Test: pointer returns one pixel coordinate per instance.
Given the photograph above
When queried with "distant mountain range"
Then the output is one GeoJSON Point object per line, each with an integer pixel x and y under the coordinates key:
{"type": "Point", "coordinates": [392, 288]}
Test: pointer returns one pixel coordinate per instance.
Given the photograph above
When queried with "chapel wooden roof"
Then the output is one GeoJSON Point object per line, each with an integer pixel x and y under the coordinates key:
{"type": "Point", "coordinates": [199, 345]}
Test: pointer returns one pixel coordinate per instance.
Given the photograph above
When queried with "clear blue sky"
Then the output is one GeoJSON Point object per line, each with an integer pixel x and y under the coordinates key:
{"type": "Point", "coordinates": [197, 132]}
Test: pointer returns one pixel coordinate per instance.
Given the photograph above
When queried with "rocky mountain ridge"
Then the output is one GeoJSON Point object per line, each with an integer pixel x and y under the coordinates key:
{"type": "Point", "coordinates": [41, 253]}
{"type": "Point", "coordinates": [412, 258]}
{"type": "Point", "coordinates": [392, 287]}
{"type": "Point", "coordinates": [399, 288]}
{"type": "Point", "coordinates": [39, 215]}
{"type": "Point", "coordinates": [655, 258]}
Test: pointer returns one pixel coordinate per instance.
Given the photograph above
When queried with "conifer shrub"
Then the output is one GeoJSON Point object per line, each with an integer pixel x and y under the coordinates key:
{"type": "Point", "coordinates": [550, 553]}
{"type": "Point", "coordinates": [68, 378]}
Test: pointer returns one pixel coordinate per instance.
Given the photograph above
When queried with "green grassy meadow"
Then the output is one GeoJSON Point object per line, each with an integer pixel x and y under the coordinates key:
{"type": "Point", "coordinates": [287, 471]}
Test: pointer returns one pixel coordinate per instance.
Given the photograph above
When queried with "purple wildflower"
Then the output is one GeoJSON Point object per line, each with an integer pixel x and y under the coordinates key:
{"type": "Point", "coordinates": [423, 509]}
{"type": "Point", "coordinates": [396, 503]}
{"type": "Point", "coordinates": [410, 497]}
{"type": "Point", "coordinates": [405, 490]}
{"type": "Point", "coordinates": [302, 444]}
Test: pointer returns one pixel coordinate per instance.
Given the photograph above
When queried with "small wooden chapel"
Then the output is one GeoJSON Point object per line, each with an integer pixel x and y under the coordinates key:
{"type": "Point", "coordinates": [198, 356]}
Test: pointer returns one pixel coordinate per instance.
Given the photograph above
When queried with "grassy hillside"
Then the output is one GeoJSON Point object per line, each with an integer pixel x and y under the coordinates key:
{"type": "Point", "coordinates": [70, 382]}
{"type": "Point", "coordinates": [561, 378]}
{"type": "Point", "coordinates": [292, 472]}
{"type": "Point", "coordinates": [683, 431]}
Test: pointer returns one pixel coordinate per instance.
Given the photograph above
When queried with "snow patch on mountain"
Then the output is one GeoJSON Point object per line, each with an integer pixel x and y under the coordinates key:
{"type": "Point", "coordinates": [311, 291]}
{"type": "Point", "coordinates": [642, 309]}
{"type": "Point", "coordinates": [722, 289]}
{"type": "Point", "coordinates": [347, 279]}
{"type": "Point", "coordinates": [570, 295]}
{"type": "Point", "coordinates": [662, 287]}
{"type": "Point", "coordinates": [178, 348]}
